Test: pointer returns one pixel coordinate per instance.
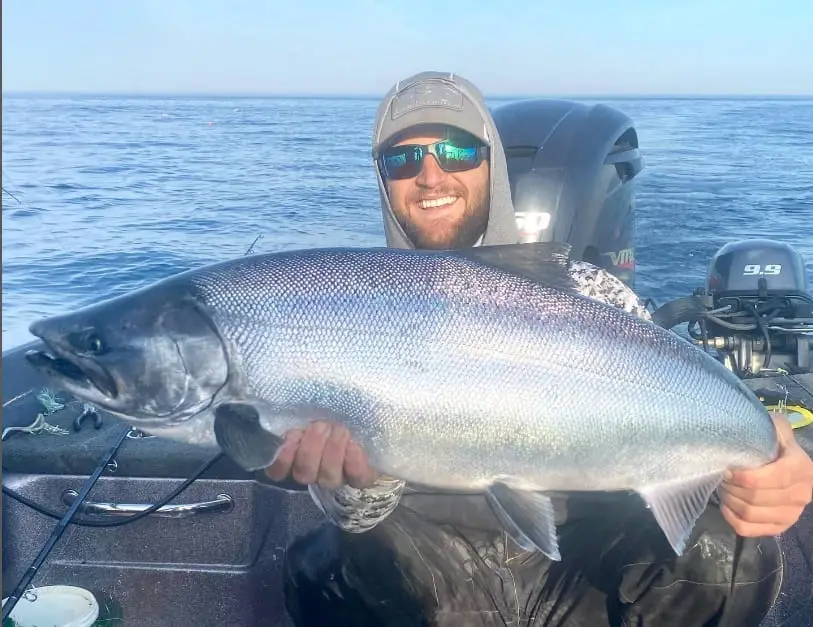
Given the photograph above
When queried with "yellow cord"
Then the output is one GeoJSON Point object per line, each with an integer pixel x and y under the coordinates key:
{"type": "Point", "coordinates": [799, 416]}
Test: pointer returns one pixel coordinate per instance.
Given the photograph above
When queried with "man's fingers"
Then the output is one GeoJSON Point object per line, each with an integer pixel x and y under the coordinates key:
{"type": "Point", "coordinates": [769, 500]}
{"type": "Point", "coordinates": [774, 476]}
{"type": "Point", "coordinates": [325, 454]}
{"type": "Point", "coordinates": [305, 469]}
{"type": "Point", "coordinates": [357, 467]}
{"type": "Point", "coordinates": [751, 512]}
{"type": "Point", "coordinates": [331, 468]}
{"type": "Point", "coordinates": [784, 430]}
{"type": "Point", "coordinates": [769, 497]}
{"type": "Point", "coordinates": [781, 473]}
{"type": "Point", "coordinates": [790, 469]}
{"type": "Point", "coordinates": [285, 457]}
{"type": "Point", "coordinates": [748, 529]}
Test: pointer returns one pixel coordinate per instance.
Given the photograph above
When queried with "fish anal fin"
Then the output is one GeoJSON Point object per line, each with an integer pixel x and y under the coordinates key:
{"type": "Point", "coordinates": [677, 506]}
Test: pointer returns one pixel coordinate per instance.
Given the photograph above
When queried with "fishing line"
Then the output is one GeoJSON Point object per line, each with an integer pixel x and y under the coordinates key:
{"type": "Point", "coordinates": [56, 534]}
{"type": "Point", "coordinates": [65, 519]}
{"type": "Point", "coordinates": [45, 511]}
{"type": "Point", "coordinates": [68, 517]}
{"type": "Point", "coordinates": [9, 193]}
{"type": "Point", "coordinates": [34, 212]}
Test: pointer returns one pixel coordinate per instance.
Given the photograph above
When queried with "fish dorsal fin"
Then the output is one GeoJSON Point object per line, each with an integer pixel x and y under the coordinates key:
{"type": "Point", "coordinates": [546, 263]}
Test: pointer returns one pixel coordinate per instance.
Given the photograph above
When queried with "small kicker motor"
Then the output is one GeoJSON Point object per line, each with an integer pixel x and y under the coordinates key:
{"type": "Point", "coordinates": [756, 309]}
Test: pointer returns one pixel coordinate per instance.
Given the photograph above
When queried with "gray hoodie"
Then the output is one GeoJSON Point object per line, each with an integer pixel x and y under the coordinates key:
{"type": "Point", "coordinates": [444, 98]}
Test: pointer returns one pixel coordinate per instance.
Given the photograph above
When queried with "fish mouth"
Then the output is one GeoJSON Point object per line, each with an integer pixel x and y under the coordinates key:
{"type": "Point", "coordinates": [76, 374]}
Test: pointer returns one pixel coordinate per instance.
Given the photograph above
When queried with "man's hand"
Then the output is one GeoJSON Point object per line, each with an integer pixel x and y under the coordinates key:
{"type": "Point", "coordinates": [769, 500]}
{"type": "Point", "coordinates": [324, 454]}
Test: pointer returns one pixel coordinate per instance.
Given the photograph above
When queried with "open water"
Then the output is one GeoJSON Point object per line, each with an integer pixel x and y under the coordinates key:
{"type": "Point", "coordinates": [106, 194]}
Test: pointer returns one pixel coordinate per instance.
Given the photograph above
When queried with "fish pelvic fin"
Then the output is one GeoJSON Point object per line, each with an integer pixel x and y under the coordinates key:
{"type": "Point", "coordinates": [528, 517]}
{"type": "Point", "coordinates": [547, 263]}
{"type": "Point", "coordinates": [677, 506]}
{"type": "Point", "coordinates": [241, 437]}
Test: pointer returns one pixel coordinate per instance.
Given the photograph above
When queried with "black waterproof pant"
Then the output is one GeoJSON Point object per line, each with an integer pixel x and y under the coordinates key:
{"type": "Point", "coordinates": [411, 571]}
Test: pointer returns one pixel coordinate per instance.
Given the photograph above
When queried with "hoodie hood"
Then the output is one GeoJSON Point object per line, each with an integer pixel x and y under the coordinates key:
{"type": "Point", "coordinates": [444, 98]}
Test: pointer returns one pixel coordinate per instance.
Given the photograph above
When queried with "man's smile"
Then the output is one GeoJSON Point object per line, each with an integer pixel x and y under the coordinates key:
{"type": "Point", "coordinates": [433, 203]}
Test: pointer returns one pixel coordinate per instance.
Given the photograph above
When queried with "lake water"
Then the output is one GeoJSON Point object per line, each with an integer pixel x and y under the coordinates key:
{"type": "Point", "coordinates": [112, 193]}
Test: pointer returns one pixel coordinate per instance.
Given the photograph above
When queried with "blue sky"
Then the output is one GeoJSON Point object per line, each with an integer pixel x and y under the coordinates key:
{"type": "Point", "coordinates": [536, 47]}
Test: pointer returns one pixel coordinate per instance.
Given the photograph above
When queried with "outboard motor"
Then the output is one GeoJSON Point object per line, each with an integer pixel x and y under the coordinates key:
{"type": "Point", "coordinates": [572, 170]}
{"type": "Point", "coordinates": [763, 316]}
{"type": "Point", "coordinates": [756, 309]}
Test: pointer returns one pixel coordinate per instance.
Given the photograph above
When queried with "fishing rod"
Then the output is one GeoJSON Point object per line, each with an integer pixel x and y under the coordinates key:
{"type": "Point", "coordinates": [66, 519]}
{"type": "Point", "coordinates": [250, 248]}
{"type": "Point", "coordinates": [56, 534]}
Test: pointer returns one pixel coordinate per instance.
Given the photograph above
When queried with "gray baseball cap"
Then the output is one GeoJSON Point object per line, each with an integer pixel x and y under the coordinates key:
{"type": "Point", "coordinates": [428, 98]}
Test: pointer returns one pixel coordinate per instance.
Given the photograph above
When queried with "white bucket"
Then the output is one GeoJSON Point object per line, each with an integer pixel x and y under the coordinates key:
{"type": "Point", "coordinates": [55, 606]}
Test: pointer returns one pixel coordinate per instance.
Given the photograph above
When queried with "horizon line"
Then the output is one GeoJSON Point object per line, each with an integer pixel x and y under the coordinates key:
{"type": "Point", "coordinates": [371, 96]}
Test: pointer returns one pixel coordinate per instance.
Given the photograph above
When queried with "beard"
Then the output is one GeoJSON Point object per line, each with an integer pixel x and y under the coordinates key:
{"type": "Point", "coordinates": [451, 232]}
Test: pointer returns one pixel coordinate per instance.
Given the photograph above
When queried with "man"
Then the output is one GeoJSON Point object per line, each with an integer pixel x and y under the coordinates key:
{"type": "Point", "coordinates": [394, 556]}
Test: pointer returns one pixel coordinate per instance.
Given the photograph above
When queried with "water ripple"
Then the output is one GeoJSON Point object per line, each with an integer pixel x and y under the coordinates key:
{"type": "Point", "coordinates": [119, 192]}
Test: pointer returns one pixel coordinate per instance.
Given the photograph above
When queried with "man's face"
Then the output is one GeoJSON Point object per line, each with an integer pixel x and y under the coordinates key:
{"type": "Point", "coordinates": [439, 209]}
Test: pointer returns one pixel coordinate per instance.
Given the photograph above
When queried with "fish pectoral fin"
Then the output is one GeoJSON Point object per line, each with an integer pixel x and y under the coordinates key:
{"type": "Point", "coordinates": [547, 263]}
{"type": "Point", "coordinates": [529, 518]}
{"type": "Point", "coordinates": [240, 435]}
{"type": "Point", "coordinates": [676, 507]}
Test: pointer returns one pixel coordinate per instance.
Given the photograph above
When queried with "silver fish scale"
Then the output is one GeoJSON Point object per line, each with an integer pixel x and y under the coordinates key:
{"type": "Point", "coordinates": [443, 368]}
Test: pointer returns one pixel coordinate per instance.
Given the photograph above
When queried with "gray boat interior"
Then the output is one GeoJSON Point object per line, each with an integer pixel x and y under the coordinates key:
{"type": "Point", "coordinates": [222, 554]}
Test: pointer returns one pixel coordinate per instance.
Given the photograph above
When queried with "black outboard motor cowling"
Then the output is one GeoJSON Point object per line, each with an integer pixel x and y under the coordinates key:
{"type": "Point", "coordinates": [757, 266]}
{"type": "Point", "coordinates": [572, 170]}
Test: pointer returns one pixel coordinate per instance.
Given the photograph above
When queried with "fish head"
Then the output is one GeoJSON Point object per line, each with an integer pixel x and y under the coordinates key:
{"type": "Point", "coordinates": [153, 359]}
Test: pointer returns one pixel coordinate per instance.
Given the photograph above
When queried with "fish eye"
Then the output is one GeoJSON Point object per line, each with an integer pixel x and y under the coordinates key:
{"type": "Point", "coordinates": [92, 344]}
{"type": "Point", "coordinates": [88, 342]}
{"type": "Point", "coordinates": [95, 344]}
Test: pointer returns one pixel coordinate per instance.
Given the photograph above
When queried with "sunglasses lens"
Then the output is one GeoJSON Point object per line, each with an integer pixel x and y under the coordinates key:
{"type": "Point", "coordinates": [401, 162]}
{"type": "Point", "coordinates": [454, 157]}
